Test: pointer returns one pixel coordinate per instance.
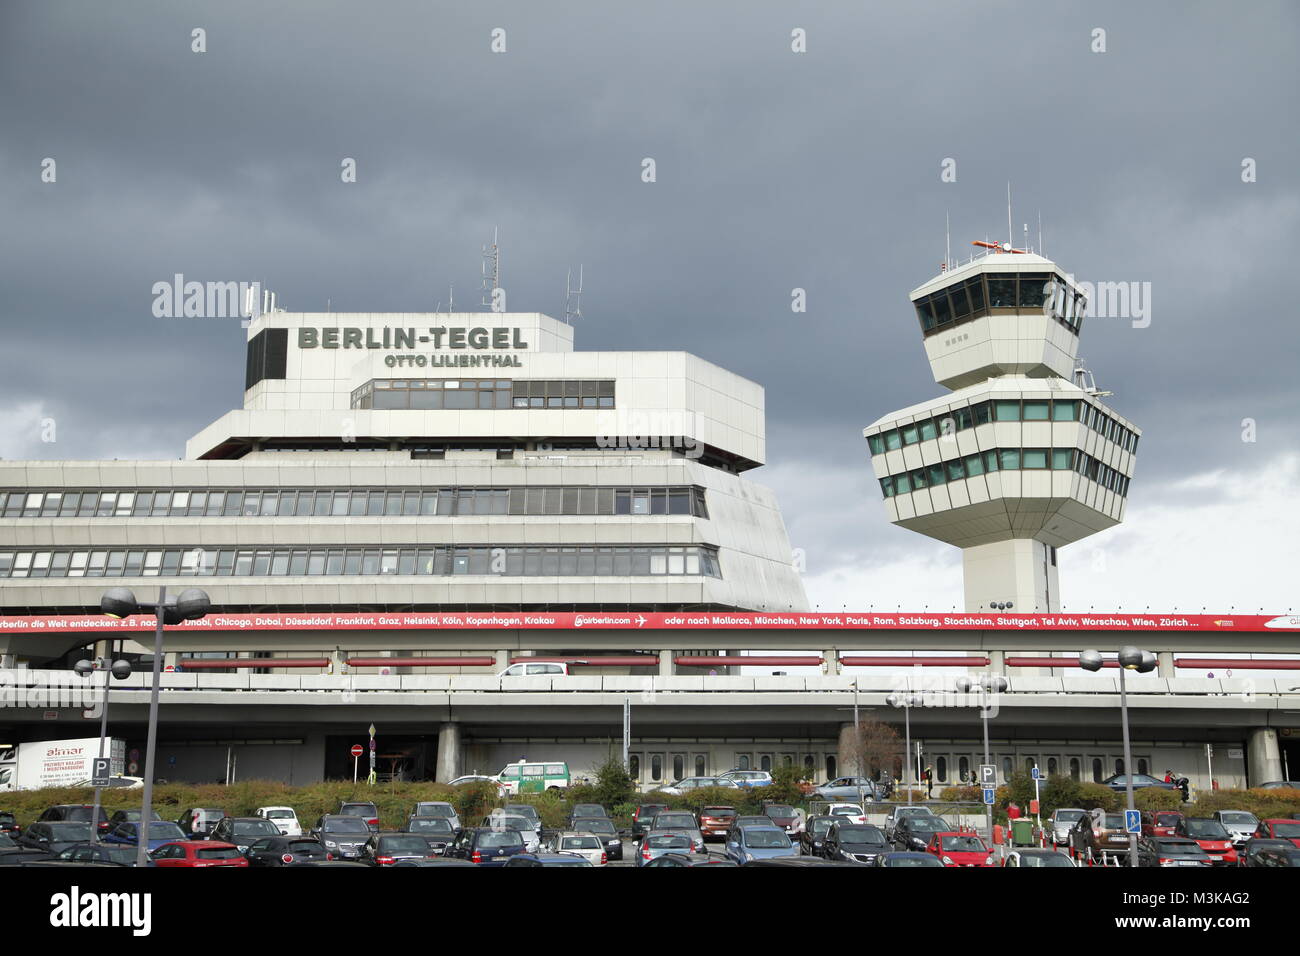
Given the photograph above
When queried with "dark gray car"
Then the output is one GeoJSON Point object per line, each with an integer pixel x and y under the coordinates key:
{"type": "Point", "coordinates": [344, 836]}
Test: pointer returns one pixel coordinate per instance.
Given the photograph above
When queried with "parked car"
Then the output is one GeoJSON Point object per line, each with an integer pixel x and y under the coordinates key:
{"type": "Point", "coordinates": [1273, 853]}
{"type": "Point", "coordinates": [654, 845]}
{"type": "Point", "coordinates": [437, 831]}
{"type": "Point", "coordinates": [366, 811]}
{"type": "Point", "coordinates": [1091, 838]}
{"type": "Point", "coordinates": [849, 812]}
{"type": "Point", "coordinates": [195, 853]}
{"type": "Point", "coordinates": [785, 817]}
{"type": "Point", "coordinates": [437, 808]}
{"type": "Point", "coordinates": [907, 860]}
{"type": "Point", "coordinates": [99, 853]}
{"type": "Point", "coordinates": [198, 822]}
{"type": "Point", "coordinates": [9, 824]}
{"type": "Point", "coordinates": [285, 851]}
{"type": "Point", "coordinates": [680, 821]}
{"type": "Point", "coordinates": [586, 845]}
{"type": "Point", "coordinates": [528, 812]}
{"type": "Point", "coordinates": [159, 832]}
{"type": "Point", "coordinates": [501, 820]}
{"type": "Point", "coordinates": [854, 789]}
{"type": "Point", "coordinates": [1242, 824]}
{"type": "Point", "coordinates": [604, 828]}
{"type": "Point", "coordinates": [385, 849]}
{"type": "Point", "coordinates": [1171, 851]}
{"type": "Point", "coordinates": [912, 833]}
{"type": "Point", "coordinates": [752, 820]}
{"type": "Point", "coordinates": [757, 842]}
{"type": "Point", "coordinates": [1161, 822]}
{"type": "Point", "coordinates": [1212, 837]}
{"type": "Point", "coordinates": [814, 834]}
{"type": "Point", "coordinates": [547, 859]}
{"type": "Point", "coordinates": [856, 842]}
{"type": "Point", "coordinates": [1059, 823]}
{"type": "Point", "coordinates": [959, 849]}
{"type": "Point", "coordinates": [284, 818]}
{"type": "Point", "coordinates": [695, 783]}
{"type": "Point", "coordinates": [1280, 829]}
{"type": "Point", "coordinates": [539, 669]}
{"type": "Point", "coordinates": [74, 813]}
{"type": "Point", "coordinates": [1141, 781]}
{"type": "Point", "coordinates": [486, 846]}
{"type": "Point", "coordinates": [475, 778]}
{"type": "Point", "coordinates": [243, 832]}
{"type": "Point", "coordinates": [344, 836]}
{"type": "Point", "coordinates": [53, 837]}
{"type": "Point", "coordinates": [129, 816]}
{"type": "Point", "coordinates": [716, 821]}
{"type": "Point", "coordinates": [895, 815]}
{"type": "Point", "coordinates": [748, 778]}
{"type": "Point", "coordinates": [643, 815]}
{"type": "Point", "coordinates": [1037, 858]}
{"type": "Point", "coordinates": [587, 810]}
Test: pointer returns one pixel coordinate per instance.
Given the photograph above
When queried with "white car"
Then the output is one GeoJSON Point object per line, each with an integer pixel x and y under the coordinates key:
{"type": "Point", "coordinates": [284, 818]}
{"type": "Point", "coordinates": [586, 845]}
{"type": "Point", "coordinates": [694, 783]}
{"type": "Point", "coordinates": [540, 669]}
{"type": "Point", "coordinates": [847, 811]}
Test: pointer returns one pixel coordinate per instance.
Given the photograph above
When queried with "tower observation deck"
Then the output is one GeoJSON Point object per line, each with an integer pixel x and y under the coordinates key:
{"type": "Point", "coordinates": [1020, 459]}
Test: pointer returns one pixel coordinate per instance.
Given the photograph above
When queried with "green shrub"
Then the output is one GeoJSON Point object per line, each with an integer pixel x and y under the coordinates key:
{"type": "Point", "coordinates": [1092, 795]}
{"type": "Point", "coordinates": [1265, 804]}
{"type": "Point", "coordinates": [1060, 790]}
{"type": "Point", "coordinates": [1150, 798]}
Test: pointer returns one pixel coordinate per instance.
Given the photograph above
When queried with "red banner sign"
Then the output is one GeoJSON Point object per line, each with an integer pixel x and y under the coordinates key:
{"type": "Point", "coordinates": [685, 621]}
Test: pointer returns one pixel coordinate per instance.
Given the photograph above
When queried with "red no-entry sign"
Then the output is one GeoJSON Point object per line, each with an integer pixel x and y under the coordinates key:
{"type": "Point", "coordinates": [357, 750]}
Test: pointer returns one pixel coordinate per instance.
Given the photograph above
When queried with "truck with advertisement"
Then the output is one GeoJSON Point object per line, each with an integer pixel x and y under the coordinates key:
{"type": "Point", "coordinates": [56, 763]}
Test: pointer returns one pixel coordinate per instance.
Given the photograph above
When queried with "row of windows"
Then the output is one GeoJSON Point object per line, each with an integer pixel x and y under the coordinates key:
{"type": "Point", "coordinates": [510, 561]}
{"type": "Point", "coordinates": [1098, 766]}
{"type": "Point", "coordinates": [339, 502]}
{"type": "Point", "coordinates": [1006, 410]}
{"type": "Point", "coordinates": [434, 393]}
{"type": "Point", "coordinates": [977, 296]}
{"type": "Point", "coordinates": [654, 764]}
{"type": "Point", "coordinates": [1006, 459]}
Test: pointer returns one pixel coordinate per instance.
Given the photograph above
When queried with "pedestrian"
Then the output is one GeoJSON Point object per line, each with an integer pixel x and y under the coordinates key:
{"type": "Point", "coordinates": [929, 783]}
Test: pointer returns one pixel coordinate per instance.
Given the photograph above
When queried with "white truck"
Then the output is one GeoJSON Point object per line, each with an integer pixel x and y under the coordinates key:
{"type": "Point", "coordinates": [56, 763]}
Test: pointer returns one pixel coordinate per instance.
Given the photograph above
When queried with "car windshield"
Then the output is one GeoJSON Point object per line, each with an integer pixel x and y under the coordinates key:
{"type": "Point", "coordinates": [404, 844]}
{"type": "Point", "coordinates": [5, 842]}
{"type": "Point", "coordinates": [434, 810]}
{"type": "Point", "coordinates": [524, 810]}
{"type": "Point", "coordinates": [597, 825]}
{"type": "Point", "coordinates": [925, 825]}
{"type": "Point", "coordinates": [1286, 830]}
{"type": "Point", "coordinates": [865, 835]}
{"type": "Point", "coordinates": [1069, 816]}
{"type": "Point", "coordinates": [845, 810]}
{"type": "Point", "coordinates": [345, 826]}
{"type": "Point", "coordinates": [279, 814]}
{"type": "Point", "coordinates": [1045, 859]}
{"type": "Point", "coordinates": [305, 846]}
{"type": "Point", "coordinates": [668, 842]}
{"type": "Point", "coordinates": [1114, 821]}
{"type": "Point", "coordinates": [821, 825]}
{"type": "Point", "coordinates": [963, 844]}
{"type": "Point", "coordinates": [72, 831]}
{"type": "Point", "coordinates": [159, 830]}
{"type": "Point", "coordinates": [718, 812]}
{"type": "Point", "coordinates": [243, 828]}
{"type": "Point", "coordinates": [429, 825]}
{"type": "Point", "coordinates": [780, 811]}
{"type": "Point", "coordinates": [513, 823]}
{"type": "Point", "coordinates": [580, 843]}
{"type": "Point", "coordinates": [119, 854]}
{"type": "Point", "coordinates": [1178, 848]}
{"type": "Point", "coordinates": [675, 820]}
{"type": "Point", "coordinates": [1238, 818]}
{"type": "Point", "coordinates": [766, 839]}
{"type": "Point", "coordinates": [217, 853]}
{"type": "Point", "coordinates": [79, 813]}
{"type": "Point", "coordinates": [1207, 830]}
{"type": "Point", "coordinates": [500, 838]}
{"type": "Point", "coordinates": [359, 810]}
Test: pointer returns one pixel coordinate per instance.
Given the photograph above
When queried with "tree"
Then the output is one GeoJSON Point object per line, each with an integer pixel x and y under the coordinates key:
{"type": "Point", "coordinates": [874, 747]}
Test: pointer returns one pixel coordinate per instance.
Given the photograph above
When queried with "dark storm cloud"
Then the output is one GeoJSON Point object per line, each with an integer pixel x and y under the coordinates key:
{"type": "Point", "coordinates": [775, 171]}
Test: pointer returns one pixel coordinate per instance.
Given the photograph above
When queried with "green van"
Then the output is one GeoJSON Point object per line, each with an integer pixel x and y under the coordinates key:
{"type": "Point", "coordinates": [523, 777]}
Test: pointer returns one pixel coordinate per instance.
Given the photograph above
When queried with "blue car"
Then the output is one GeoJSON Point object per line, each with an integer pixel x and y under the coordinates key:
{"type": "Point", "coordinates": [758, 843]}
{"type": "Point", "coordinates": [160, 832]}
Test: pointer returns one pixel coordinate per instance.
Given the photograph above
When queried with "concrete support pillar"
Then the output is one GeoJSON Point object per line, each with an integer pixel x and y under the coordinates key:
{"type": "Point", "coordinates": [7, 661]}
{"type": "Point", "coordinates": [1165, 663]}
{"type": "Point", "coordinates": [831, 659]}
{"type": "Point", "coordinates": [665, 663]}
{"type": "Point", "coordinates": [503, 660]}
{"type": "Point", "coordinates": [845, 754]}
{"type": "Point", "coordinates": [997, 662]}
{"type": "Point", "coordinates": [448, 765]}
{"type": "Point", "coordinates": [1263, 758]}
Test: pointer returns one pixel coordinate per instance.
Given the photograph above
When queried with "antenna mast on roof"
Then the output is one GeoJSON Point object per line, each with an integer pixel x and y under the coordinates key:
{"type": "Point", "coordinates": [491, 270]}
{"type": "Point", "coordinates": [947, 242]}
{"type": "Point", "coordinates": [1041, 251]}
{"type": "Point", "coordinates": [1011, 236]}
{"type": "Point", "coordinates": [572, 296]}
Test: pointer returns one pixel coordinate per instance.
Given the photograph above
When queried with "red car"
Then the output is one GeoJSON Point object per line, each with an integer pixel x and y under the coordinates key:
{"type": "Point", "coordinates": [716, 821]}
{"type": "Point", "coordinates": [959, 849]}
{"type": "Point", "coordinates": [1280, 829]}
{"type": "Point", "coordinates": [1212, 836]}
{"type": "Point", "coordinates": [1161, 823]}
{"type": "Point", "coordinates": [198, 853]}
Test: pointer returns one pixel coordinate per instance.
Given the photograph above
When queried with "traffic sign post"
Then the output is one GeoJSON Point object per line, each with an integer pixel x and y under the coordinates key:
{"type": "Point", "coordinates": [357, 751]}
{"type": "Point", "coordinates": [371, 779]}
{"type": "Point", "coordinates": [1132, 821]}
{"type": "Point", "coordinates": [99, 773]}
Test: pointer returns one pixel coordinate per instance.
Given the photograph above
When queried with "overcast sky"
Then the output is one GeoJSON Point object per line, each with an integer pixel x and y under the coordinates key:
{"type": "Point", "coordinates": [775, 170]}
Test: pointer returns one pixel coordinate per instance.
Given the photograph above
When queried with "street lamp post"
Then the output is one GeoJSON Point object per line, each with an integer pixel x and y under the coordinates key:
{"type": "Point", "coordinates": [1130, 659]}
{"type": "Point", "coordinates": [907, 702]}
{"type": "Point", "coordinates": [857, 743]}
{"type": "Point", "coordinates": [120, 670]}
{"type": "Point", "coordinates": [190, 604]}
{"type": "Point", "coordinates": [986, 684]}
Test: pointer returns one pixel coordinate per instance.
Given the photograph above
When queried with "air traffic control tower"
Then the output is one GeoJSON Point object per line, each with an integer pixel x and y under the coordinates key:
{"type": "Point", "coordinates": [1022, 457]}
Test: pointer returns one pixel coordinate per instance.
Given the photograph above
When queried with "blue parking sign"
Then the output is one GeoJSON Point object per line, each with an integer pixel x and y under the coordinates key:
{"type": "Point", "coordinates": [1035, 774]}
{"type": "Point", "coordinates": [989, 793]}
{"type": "Point", "coordinates": [1132, 821]}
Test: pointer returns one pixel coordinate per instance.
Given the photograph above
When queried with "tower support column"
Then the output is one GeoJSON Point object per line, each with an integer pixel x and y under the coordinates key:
{"type": "Point", "coordinates": [1263, 758]}
{"type": "Point", "coordinates": [1018, 571]}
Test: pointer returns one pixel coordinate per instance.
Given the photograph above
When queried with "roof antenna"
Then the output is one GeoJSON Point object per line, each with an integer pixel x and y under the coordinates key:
{"type": "Point", "coordinates": [572, 296]}
{"type": "Point", "coordinates": [491, 270]}
{"type": "Point", "coordinates": [1041, 251]}
{"type": "Point", "coordinates": [1011, 235]}
{"type": "Point", "coordinates": [947, 242]}
{"type": "Point", "coordinates": [451, 298]}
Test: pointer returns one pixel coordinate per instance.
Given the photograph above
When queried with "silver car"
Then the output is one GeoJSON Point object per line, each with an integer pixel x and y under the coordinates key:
{"type": "Point", "coordinates": [856, 789]}
{"type": "Point", "coordinates": [1242, 824]}
{"type": "Point", "coordinates": [682, 822]}
{"type": "Point", "coordinates": [437, 808]}
{"type": "Point", "coordinates": [1061, 822]}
